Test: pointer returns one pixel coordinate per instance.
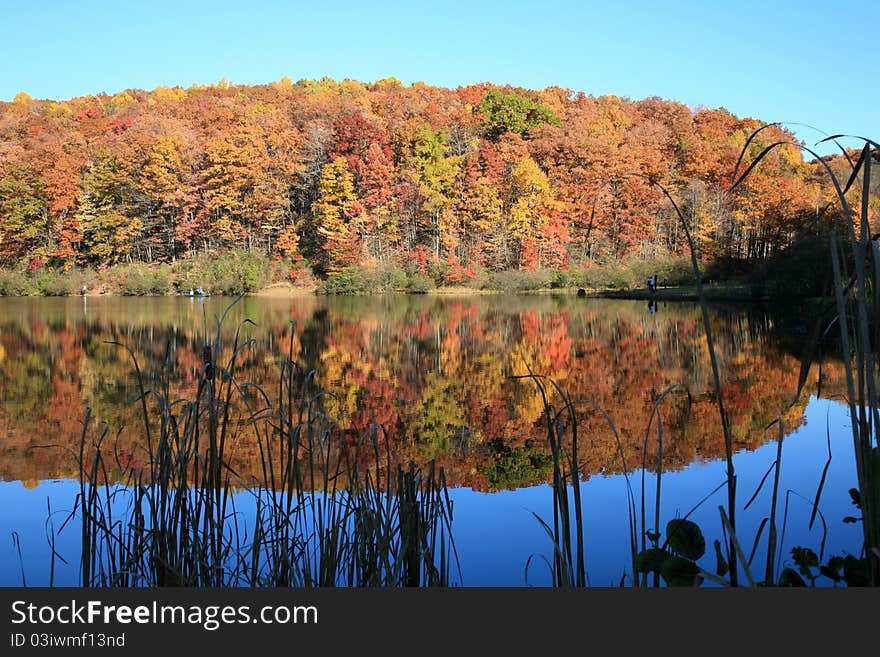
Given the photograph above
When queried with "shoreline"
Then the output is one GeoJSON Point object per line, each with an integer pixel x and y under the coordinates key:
{"type": "Point", "coordinates": [723, 292]}
{"type": "Point", "coordinates": [741, 293]}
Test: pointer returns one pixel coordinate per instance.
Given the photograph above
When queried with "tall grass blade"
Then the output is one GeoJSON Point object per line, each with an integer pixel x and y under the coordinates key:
{"type": "Point", "coordinates": [824, 471]}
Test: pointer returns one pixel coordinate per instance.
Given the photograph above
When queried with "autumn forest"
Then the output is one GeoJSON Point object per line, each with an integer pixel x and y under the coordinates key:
{"type": "Point", "coordinates": [343, 187]}
{"type": "Point", "coordinates": [446, 182]}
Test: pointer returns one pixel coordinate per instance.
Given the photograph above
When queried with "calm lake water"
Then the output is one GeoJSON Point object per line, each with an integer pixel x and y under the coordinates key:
{"type": "Point", "coordinates": [440, 376]}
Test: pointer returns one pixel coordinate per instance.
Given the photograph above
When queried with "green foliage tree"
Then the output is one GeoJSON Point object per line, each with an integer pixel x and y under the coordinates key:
{"type": "Point", "coordinates": [22, 214]}
{"type": "Point", "coordinates": [513, 112]}
{"type": "Point", "coordinates": [437, 172]}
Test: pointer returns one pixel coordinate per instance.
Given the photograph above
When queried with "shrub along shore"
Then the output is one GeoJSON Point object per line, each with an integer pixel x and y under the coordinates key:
{"type": "Point", "coordinates": [237, 273]}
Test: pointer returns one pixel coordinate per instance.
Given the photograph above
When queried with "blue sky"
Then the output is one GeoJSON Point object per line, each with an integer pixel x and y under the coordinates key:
{"type": "Point", "coordinates": [772, 60]}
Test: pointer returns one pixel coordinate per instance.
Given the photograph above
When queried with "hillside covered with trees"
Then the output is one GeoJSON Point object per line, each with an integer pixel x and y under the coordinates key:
{"type": "Point", "coordinates": [449, 183]}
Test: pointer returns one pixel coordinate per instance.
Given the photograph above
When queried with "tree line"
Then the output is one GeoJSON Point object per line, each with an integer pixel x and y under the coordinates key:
{"type": "Point", "coordinates": [451, 181]}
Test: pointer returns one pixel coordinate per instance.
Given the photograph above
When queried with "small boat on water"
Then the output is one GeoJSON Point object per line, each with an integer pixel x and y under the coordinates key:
{"type": "Point", "coordinates": [195, 293]}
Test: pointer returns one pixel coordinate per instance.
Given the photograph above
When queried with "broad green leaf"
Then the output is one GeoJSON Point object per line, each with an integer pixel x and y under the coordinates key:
{"type": "Point", "coordinates": [790, 577]}
{"type": "Point", "coordinates": [650, 560]}
{"type": "Point", "coordinates": [855, 571]}
{"type": "Point", "coordinates": [804, 558]}
{"type": "Point", "coordinates": [678, 571]}
{"type": "Point", "coordinates": [685, 538]}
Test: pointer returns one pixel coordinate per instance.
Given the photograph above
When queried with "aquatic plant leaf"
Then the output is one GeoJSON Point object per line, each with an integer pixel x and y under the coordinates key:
{"type": "Point", "coordinates": [804, 557]}
{"type": "Point", "coordinates": [678, 571]}
{"type": "Point", "coordinates": [832, 569]}
{"type": "Point", "coordinates": [650, 560]}
{"type": "Point", "coordinates": [789, 577]}
{"type": "Point", "coordinates": [850, 519]}
{"type": "Point", "coordinates": [685, 538]}
{"type": "Point", "coordinates": [855, 571]}
{"type": "Point", "coordinates": [856, 497]}
{"type": "Point", "coordinates": [836, 563]}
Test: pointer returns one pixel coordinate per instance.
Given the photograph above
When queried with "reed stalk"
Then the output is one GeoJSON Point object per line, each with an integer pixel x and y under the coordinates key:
{"type": "Point", "coordinates": [328, 510]}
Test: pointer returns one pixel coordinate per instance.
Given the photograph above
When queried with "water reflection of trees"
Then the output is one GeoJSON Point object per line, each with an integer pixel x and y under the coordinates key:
{"type": "Point", "coordinates": [434, 372]}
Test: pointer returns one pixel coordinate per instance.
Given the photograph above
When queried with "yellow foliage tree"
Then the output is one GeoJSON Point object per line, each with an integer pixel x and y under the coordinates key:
{"type": "Point", "coordinates": [332, 212]}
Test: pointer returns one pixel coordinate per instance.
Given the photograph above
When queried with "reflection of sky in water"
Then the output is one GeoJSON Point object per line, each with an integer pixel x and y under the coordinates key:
{"type": "Point", "coordinates": [497, 533]}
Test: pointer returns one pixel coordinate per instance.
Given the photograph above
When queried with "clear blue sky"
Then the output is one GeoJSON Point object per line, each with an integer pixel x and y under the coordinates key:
{"type": "Point", "coordinates": [772, 60]}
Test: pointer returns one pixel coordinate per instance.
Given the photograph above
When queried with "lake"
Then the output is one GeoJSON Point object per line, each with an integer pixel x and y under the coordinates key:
{"type": "Point", "coordinates": [443, 376]}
